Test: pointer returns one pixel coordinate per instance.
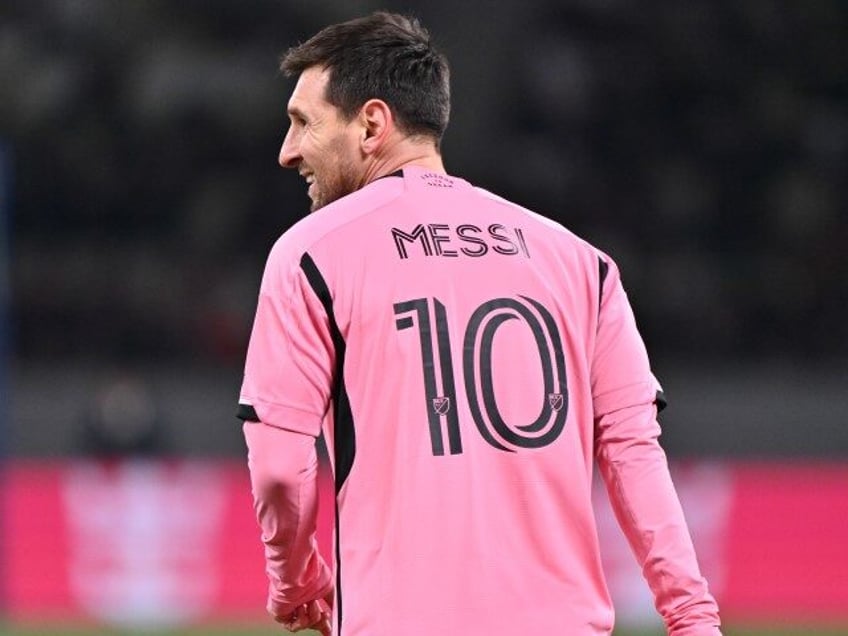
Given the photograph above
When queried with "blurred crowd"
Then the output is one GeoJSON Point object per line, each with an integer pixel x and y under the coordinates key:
{"type": "Point", "coordinates": [703, 144]}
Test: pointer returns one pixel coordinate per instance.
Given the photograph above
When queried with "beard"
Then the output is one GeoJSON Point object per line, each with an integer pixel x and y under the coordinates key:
{"type": "Point", "coordinates": [334, 181]}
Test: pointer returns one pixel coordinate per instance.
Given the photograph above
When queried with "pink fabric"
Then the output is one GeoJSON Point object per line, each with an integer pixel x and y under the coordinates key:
{"type": "Point", "coordinates": [283, 471]}
{"type": "Point", "coordinates": [467, 507]}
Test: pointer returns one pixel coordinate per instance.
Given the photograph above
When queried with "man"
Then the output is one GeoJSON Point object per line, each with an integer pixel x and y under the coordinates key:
{"type": "Point", "coordinates": [466, 361]}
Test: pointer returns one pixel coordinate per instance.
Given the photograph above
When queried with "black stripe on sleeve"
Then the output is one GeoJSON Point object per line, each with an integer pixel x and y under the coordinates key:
{"type": "Point", "coordinates": [343, 427]}
{"type": "Point", "coordinates": [247, 413]}
{"type": "Point", "coordinates": [660, 401]}
{"type": "Point", "coordinates": [345, 437]}
{"type": "Point", "coordinates": [603, 270]}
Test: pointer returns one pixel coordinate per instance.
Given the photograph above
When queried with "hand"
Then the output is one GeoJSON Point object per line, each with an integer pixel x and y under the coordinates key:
{"type": "Point", "coordinates": [315, 615]}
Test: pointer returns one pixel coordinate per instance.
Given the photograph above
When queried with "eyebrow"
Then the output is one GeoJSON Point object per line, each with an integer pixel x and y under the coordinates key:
{"type": "Point", "coordinates": [294, 111]}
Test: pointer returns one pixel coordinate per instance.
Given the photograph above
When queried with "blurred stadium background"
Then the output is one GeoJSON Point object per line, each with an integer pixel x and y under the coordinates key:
{"type": "Point", "coordinates": [703, 144]}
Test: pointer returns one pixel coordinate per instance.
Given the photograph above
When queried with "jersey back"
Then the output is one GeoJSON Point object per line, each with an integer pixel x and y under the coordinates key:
{"type": "Point", "coordinates": [448, 345]}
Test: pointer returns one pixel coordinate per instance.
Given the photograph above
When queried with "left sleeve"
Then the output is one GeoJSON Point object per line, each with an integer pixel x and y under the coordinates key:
{"type": "Point", "coordinates": [635, 469]}
{"type": "Point", "coordinates": [283, 400]}
{"type": "Point", "coordinates": [283, 475]}
{"type": "Point", "coordinates": [290, 362]}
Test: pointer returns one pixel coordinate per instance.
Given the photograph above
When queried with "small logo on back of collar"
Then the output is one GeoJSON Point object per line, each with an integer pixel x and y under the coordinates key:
{"type": "Point", "coordinates": [437, 180]}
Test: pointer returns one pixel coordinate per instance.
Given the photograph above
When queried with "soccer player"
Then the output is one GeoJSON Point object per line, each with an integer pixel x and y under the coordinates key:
{"type": "Point", "coordinates": [467, 362]}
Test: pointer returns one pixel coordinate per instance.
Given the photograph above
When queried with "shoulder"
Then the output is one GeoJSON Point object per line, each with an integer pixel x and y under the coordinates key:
{"type": "Point", "coordinates": [323, 224]}
{"type": "Point", "coordinates": [557, 232]}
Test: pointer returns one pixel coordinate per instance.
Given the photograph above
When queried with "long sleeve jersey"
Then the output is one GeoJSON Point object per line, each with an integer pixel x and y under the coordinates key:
{"type": "Point", "coordinates": [468, 362]}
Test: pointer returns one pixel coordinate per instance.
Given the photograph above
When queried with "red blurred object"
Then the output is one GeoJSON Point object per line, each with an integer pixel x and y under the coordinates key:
{"type": "Point", "coordinates": [173, 542]}
{"type": "Point", "coordinates": [147, 542]}
{"type": "Point", "coordinates": [787, 544]}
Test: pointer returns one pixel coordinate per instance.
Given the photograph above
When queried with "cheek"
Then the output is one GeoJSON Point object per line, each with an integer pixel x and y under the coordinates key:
{"type": "Point", "coordinates": [321, 150]}
{"type": "Point", "coordinates": [346, 151]}
{"type": "Point", "coordinates": [313, 142]}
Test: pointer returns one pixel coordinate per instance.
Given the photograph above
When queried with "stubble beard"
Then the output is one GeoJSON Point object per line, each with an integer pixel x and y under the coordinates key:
{"type": "Point", "coordinates": [340, 180]}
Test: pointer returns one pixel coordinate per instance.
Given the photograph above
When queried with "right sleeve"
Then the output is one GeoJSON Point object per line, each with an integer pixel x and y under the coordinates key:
{"type": "Point", "coordinates": [635, 470]}
{"type": "Point", "coordinates": [290, 358]}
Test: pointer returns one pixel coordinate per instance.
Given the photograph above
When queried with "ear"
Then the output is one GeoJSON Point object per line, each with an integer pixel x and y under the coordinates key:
{"type": "Point", "coordinates": [377, 123]}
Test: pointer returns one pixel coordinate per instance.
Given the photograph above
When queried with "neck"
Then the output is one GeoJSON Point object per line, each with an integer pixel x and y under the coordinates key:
{"type": "Point", "coordinates": [423, 155]}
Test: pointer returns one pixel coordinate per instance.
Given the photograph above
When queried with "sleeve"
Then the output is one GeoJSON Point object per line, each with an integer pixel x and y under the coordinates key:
{"type": "Point", "coordinates": [283, 400]}
{"type": "Point", "coordinates": [283, 475]}
{"type": "Point", "coordinates": [290, 358]}
{"type": "Point", "coordinates": [635, 469]}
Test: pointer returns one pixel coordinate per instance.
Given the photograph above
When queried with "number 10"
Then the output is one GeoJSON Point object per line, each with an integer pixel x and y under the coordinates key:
{"type": "Point", "coordinates": [440, 384]}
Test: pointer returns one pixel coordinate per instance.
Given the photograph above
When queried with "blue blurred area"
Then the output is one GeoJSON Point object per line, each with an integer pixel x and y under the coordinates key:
{"type": "Point", "coordinates": [702, 144]}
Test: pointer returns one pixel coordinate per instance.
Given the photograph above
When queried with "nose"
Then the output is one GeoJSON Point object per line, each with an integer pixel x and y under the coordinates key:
{"type": "Point", "coordinates": [289, 152]}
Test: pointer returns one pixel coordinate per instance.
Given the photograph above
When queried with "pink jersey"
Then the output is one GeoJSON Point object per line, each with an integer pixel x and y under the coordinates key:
{"type": "Point", "coordinates": [467, 362]}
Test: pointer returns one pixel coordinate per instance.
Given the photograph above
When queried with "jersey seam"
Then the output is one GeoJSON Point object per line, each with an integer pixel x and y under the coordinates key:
{"type": "Point", "coordinates": [285, 406]}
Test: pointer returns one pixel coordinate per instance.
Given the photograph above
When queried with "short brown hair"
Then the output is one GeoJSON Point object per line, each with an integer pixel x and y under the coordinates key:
{"type": "Point", "coordinates": [384, 56]}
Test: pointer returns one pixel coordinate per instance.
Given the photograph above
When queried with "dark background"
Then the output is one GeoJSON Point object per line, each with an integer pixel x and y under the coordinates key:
{"type": "Point", "coordinates": [702, 144]}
